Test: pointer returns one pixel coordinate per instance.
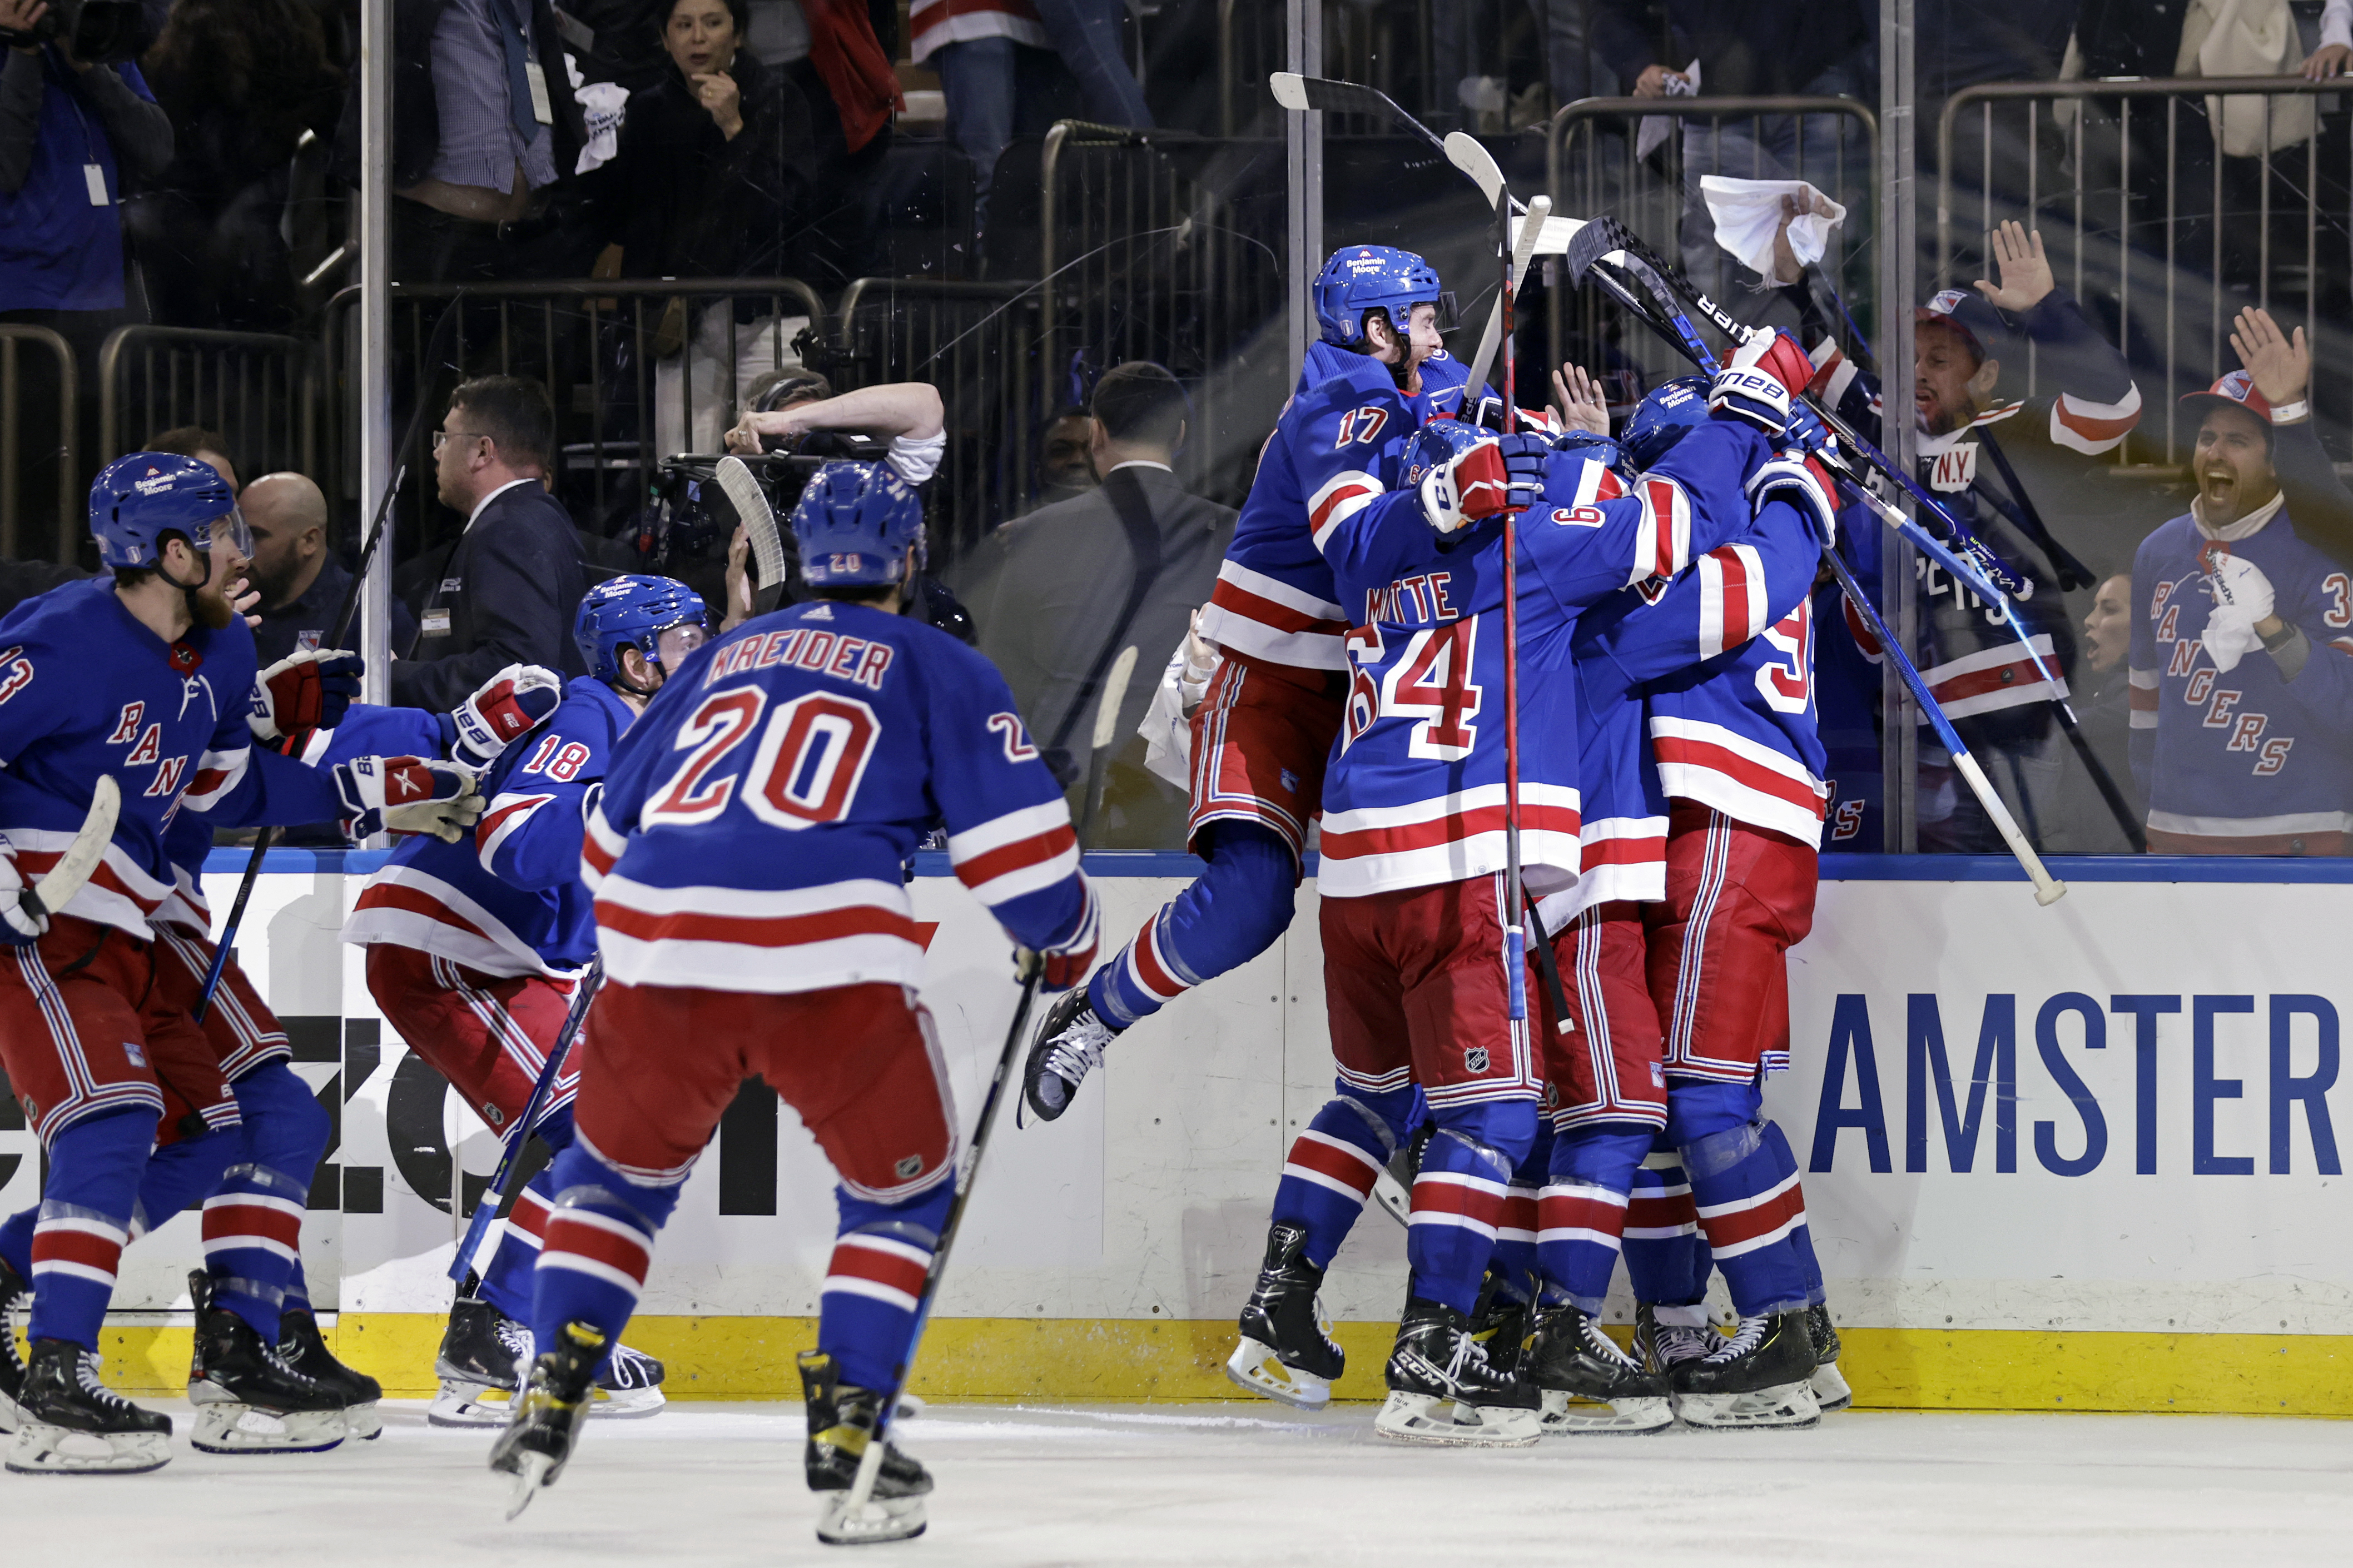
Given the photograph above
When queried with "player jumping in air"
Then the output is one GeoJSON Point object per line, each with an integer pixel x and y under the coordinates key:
{"type": "Point", "coordinates": [746, 859]}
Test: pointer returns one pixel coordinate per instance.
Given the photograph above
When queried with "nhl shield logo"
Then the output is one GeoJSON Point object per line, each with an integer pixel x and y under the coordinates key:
{"type": "Point", "coordinates": [910, 1167]}
{"type": "Point", "coordinates": [1474, 1058]}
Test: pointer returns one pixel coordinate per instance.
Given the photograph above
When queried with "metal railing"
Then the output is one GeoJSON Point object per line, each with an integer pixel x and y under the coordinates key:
{"type": "Point", "coordinates": [259, 390]}
{"type": "Point", "coordinates": [1594, 163]}
{"type": "Point", "coordinates": [15, 537]}
{"type": "Point", "coordinates": [2110, 172]}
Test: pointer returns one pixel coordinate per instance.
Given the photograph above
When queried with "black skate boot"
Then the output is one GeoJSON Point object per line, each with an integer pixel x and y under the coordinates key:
{"type": "Point", "coordinates": [1760, 1378]}
{"type": "Point", "coordinates": [1665, 1337]}
{"type": "Point", "coordinates": [1393, 1188]}
{"type": "Point", "coordinates": [1590, 1385]}
{"type": "Point", "coordinates": [247, 1400]}
{"type": "Point", "coordinates": [1831, 1390]}
{"type": "Point", "coordinates": [538, 1442]}
{"type": "Point", "coordinates": [1286, 1350]}
{"type": "Point", "coordinates": [303, 1348]}
{"type": "Point", "coordinates": [630, 1385]}
{"type": "Point", "coordinates": [482, 1351]}
{"type": "Point", "coordinates": [1500, 1322]}
{"type": "Point", "coordinates": [15, 1298]}
{"type": "Point", "coordinates": [841, 1418]}
{"type": "Point", "coordinates": [68, 1422]}
{"type": "Point", "coordinates": [1442, 1389]}
{"type": "Point", "coordinates": [1068, 1046]}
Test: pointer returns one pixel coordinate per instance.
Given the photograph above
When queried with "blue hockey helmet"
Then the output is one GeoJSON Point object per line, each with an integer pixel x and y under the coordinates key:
{"type": "Point", "coordinates": [137, 499]}
{"type": "Point", "coordinates": [855, 523]}
{"type": "Point", "coordinates": [1438, 443]}
{"type": "Point", "coordinates": [1360, 278]}
{"type": "Point", "coordinates": [1595, 448]}
{"type": "Point", "coordinates": [1664, 419]}
{"type": "Point", "coordinates": [642, 613]}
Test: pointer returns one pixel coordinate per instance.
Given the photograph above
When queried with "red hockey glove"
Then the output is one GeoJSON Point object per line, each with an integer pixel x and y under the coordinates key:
{"type": "Point", "coordinates": [1505, 474]}
{"type": "Point", "coordinates": [1760, 380]}
{"type": "Point", "coordinates": [1798, 479]}
{"type": "Point", "coordinates": [507, 707]}
{"type": "Point", "coordinates": [304, 691]}
{"type": "Point", "coordinates": [407, 794]}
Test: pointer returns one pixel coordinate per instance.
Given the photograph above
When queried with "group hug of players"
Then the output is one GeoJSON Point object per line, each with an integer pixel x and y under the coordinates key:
{"type": "Point", "coordinates": [720, 822]}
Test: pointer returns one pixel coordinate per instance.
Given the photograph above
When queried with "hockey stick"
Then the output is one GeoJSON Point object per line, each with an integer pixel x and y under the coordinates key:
{"type": "Point", "coordinates": [74, 868]}
{"type": "Point", "coordinates": [1114, 692]}
{"type": "Point", "coordinates": [1302, 93]}
{"type": "Point", "coordinates": [1985, 576]}
{"type": "Point", "coordinates": [844, 1526]}
{"type": "Point", "coordinates": [342, 624]}
{"type": "Point", "coordinates": [1515, 935]}
{"type": "Point", "coordinates": [2047, 890]}
{"type": "Point", "coordinates": [495, 1197]}
{"type": "Point", "coordinates": [750, 500]}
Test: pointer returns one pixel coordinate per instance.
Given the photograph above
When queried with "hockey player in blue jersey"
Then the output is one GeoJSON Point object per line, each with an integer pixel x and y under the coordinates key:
{"type": "Point", "coordinates": [1377, 374]}
{"type": "Point", "coordinates": [143, 677]}
{"type": "Point", "coordinates": [475, 948]}
{"type": "Point", "coordinates": [745, 855]}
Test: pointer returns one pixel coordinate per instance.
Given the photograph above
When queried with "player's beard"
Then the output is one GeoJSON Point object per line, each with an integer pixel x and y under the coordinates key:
{"type": "Point", "coordinates": [209, 605]}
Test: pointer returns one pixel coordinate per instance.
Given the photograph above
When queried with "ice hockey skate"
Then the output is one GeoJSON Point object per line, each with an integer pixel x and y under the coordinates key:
{"type": "Point", "coordinates": [1286, 1350]}
{"type": "Point", "coordinates": [1590, 1385]}
{"type": "Point", "coordinates": [841, 1418]}
{"type": "Point", "coordinates": [630, 1385]}
{"type": "Point", "coordinates": [1442, 1391]}
{"type": "Point", "coordinates": [15, 1300]}
{"type": "Point", "coordinates": [538, 1442]}
{"type": "Point", "coordinates": [1665, 1337]}
{"type": "Point", "coordinates": [68, 1422]}
{"type": "Point", "coordinates": [1069, 1044]}
{"type": "Point", "coordinates": [1759, 1378]}
{"type": "Point", "coordinates": [1500, 1323]}
{"type": "Point", "coordinates": [301, 1347]}
{"type": "Point", "coordinates": [247, 1400]}
{"type": "Point", "coordinates": [1831, 1390]}
{"type": "Point", "coordinates": [482, 1354]}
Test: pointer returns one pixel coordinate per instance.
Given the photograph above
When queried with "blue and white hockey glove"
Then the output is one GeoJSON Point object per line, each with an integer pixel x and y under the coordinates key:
{"type": "Point", "coordinates": [21, 922]}
{"type": "Point", "coordinates": [2242, 596]}
{"type": "Point", "coordinates": [407, 794]}
{"type": "Point", "coordinates": [1798, 479]}
{"type": "Point", "coordinates": [502, 711]}
{"type": "Point", "coordinates": [1505, 474]}
{"type": "Point", "coordinates": [306, 690]}
{"type": "Point", "coordinates": [1760, 381]}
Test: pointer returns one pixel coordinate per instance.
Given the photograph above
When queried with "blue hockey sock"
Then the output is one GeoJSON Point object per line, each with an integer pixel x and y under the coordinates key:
{"type": "Point", "coordinates": [182, 1173]}
{"type": "Point", "coordinates": [298, 1290]}
{"type": "Point", "coordinates": [253, 1219]}
{"type": "Point", "coordinates": [880, 1255]}
{"type": "Point", "coordinates": [599, 1244]}
{"type": "Point", "coordinates": [1667, 1260]}
{"type": "Point", "coordinates": [1516, 1232]}
{"type": "Point", "coordinates": [1582, 1215]}
{"type": "Point", "coordinates": [1743, 1181]}
{"type": "Point", "coordinates": [1333, 1165]}
{"type": "Point", "coordinates": [85, 1222]}
{"type": "Point", "coordinates": [16, 1240]}
{"type": "Point", "coordinates": [1458, 1198]}
{"type": "Point", "coordinates": [1234, 911]}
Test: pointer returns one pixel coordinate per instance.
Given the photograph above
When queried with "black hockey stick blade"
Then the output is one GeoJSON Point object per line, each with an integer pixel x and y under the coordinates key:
{"type": "Point", "coordinates": [1301, 93]}
{"type": "Point", "coordinates": [1597, 239]}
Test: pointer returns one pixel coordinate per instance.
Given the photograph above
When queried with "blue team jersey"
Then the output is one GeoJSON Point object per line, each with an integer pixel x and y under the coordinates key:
{"type": "Point", "coordinates": [2247, 762]}
{"type": "Point", "coordinates": [1414, 793]}
{"type": "Point", "coordinates": [754, 822]}
{"type": "Point", "coordinates": [86, 690]}
{"type": "Point", "coordinates": [507, 898]}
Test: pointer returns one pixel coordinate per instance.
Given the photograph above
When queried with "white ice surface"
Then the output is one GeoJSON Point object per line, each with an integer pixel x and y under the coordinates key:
{"type": "Point", "coordinates": [1245, 1483]}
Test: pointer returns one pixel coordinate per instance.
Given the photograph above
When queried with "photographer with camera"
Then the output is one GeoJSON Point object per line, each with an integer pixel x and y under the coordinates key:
{"type": "Point", "coordinates": [75, 118]}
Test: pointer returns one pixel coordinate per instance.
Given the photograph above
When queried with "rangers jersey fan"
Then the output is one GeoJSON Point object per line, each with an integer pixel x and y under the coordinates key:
{"type": "Point", "coordinates": [819, 715]}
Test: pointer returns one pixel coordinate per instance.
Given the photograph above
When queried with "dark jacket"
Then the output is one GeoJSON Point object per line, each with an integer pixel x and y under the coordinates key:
{"type": "Point", "coordinates": [305, 622]}
{"type": "Point", "coordinates": [508, 595]}
{"type": "Point", "coordinates": [683, 201]}
{"type": "Point", "coordinates": [1742, 47]}
{"type": "Point", "coordinates": [417, 108]}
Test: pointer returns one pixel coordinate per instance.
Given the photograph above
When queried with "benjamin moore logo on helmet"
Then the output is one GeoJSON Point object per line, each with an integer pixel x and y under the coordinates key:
{"type": "Point", "coordinates": [152, 484]}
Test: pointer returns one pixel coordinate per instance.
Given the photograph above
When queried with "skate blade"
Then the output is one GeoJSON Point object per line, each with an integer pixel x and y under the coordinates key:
{"type": "Point", "coordinates": [1564, 1416]}
{"type": "Point", "coordinates": [364, 1421]}
{"type": "Point", "coordinates": [1256, 1368]}
{"type": "Point", "coordinates": [882, 1519]}
{"type": "Point", "coordinates": [629, 1404]}
{"type": "Point", "coordinates": [55, 1451]}
{"type": "Point", "coordinates": [1790, 1407]}
{"type": "Point", "coordinates": [910, 1406]}
{"type": "Point", "coordinates": [1394, 1196]}
{"type": "Point", "coordinates": [1432, 1419]}
{"type": "Point", "coordinates": [235, 1429]}
{"type": "Point", "coordinates": [470, 1404]}
{"type": "Point", "coordinates": [530, 1475]}
{"type": "Point", "coordinates": [1831, 1390]}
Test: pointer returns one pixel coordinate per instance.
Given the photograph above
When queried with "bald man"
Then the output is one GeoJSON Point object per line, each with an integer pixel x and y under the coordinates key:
{"type": "Point", "coordinates": [301, 581]}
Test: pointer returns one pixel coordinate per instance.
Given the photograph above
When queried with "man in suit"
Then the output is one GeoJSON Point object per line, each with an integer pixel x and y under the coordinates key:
{"type": "Point", "coordinates": [512, 581]}
{"type": "Point", "coordinates": [1068, 588]}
